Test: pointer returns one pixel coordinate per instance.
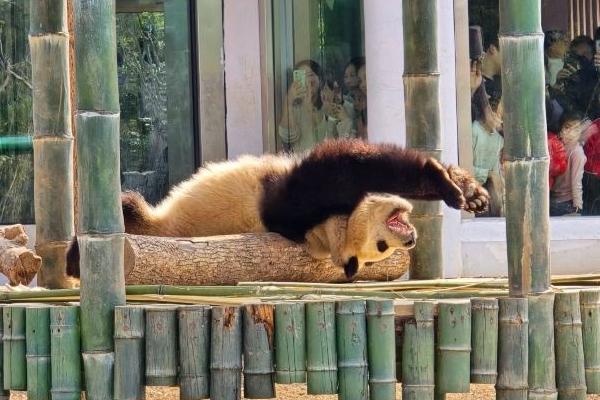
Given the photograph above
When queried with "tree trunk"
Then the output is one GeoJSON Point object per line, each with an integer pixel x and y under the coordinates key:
{"type": "Point", "coordinates": [227, 260]}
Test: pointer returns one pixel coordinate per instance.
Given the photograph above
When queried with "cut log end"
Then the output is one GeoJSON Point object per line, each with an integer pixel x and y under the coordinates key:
{"type": "Point", "coordinates": [18, 263]}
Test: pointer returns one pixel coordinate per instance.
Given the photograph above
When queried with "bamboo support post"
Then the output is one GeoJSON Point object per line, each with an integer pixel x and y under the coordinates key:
{"type": "Point", "coordinates": [590, 318]}
{"type": "Point", "coordinates": [37, 341]}
{"type": "Point", "coordinates": [130, 369]}
{"type": "Point", "coordinates": [65, 353]}
{"type": "Point", "coordinates": [513, 349]}
{"type": "Point", "coordinates": [453, 355]}
{"type": "Point", "coordinates": [321, 352]}
{"type": "Point", "coordinates": [570, 366]}
{"type": "Point", "coordinates": [351, 340]}
{"type": "Point", "coordinates": [258, 330]}
{"type": "Point", "coordinates": [542, 370]}
{"type": "Point", "coordinates": [381, 349]}
{"type": "Point", "coordinates": [4, 394]}
{"type": "Point", "coordinates": [484, 340]}
{"type": "Point", "coordinates": [15, 364]}
{"type": "Point", "coordinates": [421, 88]}
{"type": "Point", "coordinates": [290, 343]}
{"type": "Point", "coordinates": [161, 345]}
{"type": "Point", "coordinates": [226, 353]}
{"type": "Point", "coordinates": [418, 354]}
{"type": "Point", "coordinates": [53, 139]}
{"type": "Point", "coordinates": [101, 228]}
{"type": "Point", "coordinates": [399, 339]}
{"type": "Point", "coordinates": [194, 352]}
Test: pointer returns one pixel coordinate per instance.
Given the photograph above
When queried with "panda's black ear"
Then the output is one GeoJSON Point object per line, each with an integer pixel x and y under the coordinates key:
{"type": "Point", "coordinates": [351, 267]}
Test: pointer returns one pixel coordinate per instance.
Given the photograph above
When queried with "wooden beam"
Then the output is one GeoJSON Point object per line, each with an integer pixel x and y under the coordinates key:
{"type": "Point", "coordinates": [138, 6]}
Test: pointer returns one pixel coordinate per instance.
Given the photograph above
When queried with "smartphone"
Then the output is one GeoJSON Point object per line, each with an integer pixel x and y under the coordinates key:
{"type": "Point", "coordinates": [300, 76]}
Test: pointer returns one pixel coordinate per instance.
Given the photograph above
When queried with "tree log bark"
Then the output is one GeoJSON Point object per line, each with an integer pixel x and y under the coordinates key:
{"type": "Point", "coordinates": [17, 262]}
{"type": "Point", "coordinates": [229, 259]}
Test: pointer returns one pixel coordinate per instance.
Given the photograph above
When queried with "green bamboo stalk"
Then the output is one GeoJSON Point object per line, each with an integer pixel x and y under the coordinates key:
{"type": "Point", "coordinates": [53, 139]}
{"type": "Point", "coordinates": [226, 353]}
{"type": "Point", "coordinates": [513, 349]}
{"type": "Point", "coordinates": [15, 365]}
{"type": "Point", "coordinates": [259, 374]}
{"type": "Point", "coordinates": [484, 340]}
{"type": "Point", "coordinates": [418, 355]}
{"type": "Point", "coordinates": [290, 343]}
{"type": "Point", "coordinates": [101, 228]}
{"type": "Point", "coordinates": [542, 371]}
{"type": "Point", "coordinates": [421, 93]}
{"type": "Point", "coordinates": [381, 349]}
{"type": "Point", "coordinates": [453, 347]}
{"type": "Point", "coordinates": [161, 345]}
{"type": "Point", "coordinates": [525, 146]}
{"type": "Point", "coordinates": [570, 366]}
{"type": "Point", "coordinates": [37, 340]}
{"type": "Point", "coordinates": [129, 353]}
{"type": "Point", "coordinates": [321, 352]}
{"type": "Point", "coordinates": [351, 339]}
{"type": "Point", "coordinates": [194, 354]}
{"type": "Point", "coordinates": [590, 318]}
{"type": "Point", "coordinates": [4, 394]}
{"type": "Point", "coordinates": [65, 353]}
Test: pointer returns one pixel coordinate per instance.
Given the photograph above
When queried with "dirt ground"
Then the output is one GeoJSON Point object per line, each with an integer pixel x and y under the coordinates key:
{"type": "Point", "coordinates": [298, 392]}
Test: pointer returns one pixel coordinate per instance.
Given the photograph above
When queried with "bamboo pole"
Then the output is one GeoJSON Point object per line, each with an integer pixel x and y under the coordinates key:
{"type": "Point", "coordinates": [399, 339]}
{"type": "Point", "coordinates": [100, 231]}
{"type": "Point", "coordinates": [129, 353]}
{"type": "Point", "coordinates": [15, 365]}
{"type": "Point", "coordinates": [542, 370]}
{"type": "Point", "coordinates": [484, 340]}
{"type": "Point", "coordinates": [513, 349]}
{"type": "Point", "coordinates": [321, 351]}
{"type": "Point", "coordinates": [226, 353]}
{"type": "Point", "coordinates": [570, 366]}
{"type": "Point", "coordinates": [194, 353]}
{"type": "Point", "coordinates": [4, 394]}
{"type": "Point", "coordinates": [53, 139]}
{"type": "Point", "coordinates": [65, 353]}
{"type": "Point", "coordinates": [453, 347]}
{"type": "Point", "coordinates": [351, 340]}
{"type": "Point", "coordinates": [37, 341]}
{"type": "Point", "coordinates": [418, 354]}
{"type": "Point", "coordinates": [590, 317]}
{"type": "Point", "coordinates": [381, 349]}
{"type": "Point", "coordinates": [290, 343]}
{"type": "Point", "coordinates": [161, 345]}
{"type": "Point", "coordinates": [258, 330]}
{"type": "Point", "coordinates": [421, 94]}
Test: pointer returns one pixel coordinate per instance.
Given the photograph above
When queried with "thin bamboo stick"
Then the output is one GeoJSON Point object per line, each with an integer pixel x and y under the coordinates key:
{"type": "Point", "coordinates": [129, 353]}
{"type": "Point", "coordinates": [590, 318]}
{"type": "Point", "coordinates": [399, 339]}
{"type": "Point", "coordinates": [258, 330]}
{"type": "Point", "coordinates": [194, 353]}
{"type": "Point", "coordinates": [65, 353]}
{"type": "Point", "coordinates": [418, 354]}
{"type": "Point", "coordinates": [226, 353]}
{"type": "Point", "coordinates": [15, 365]}
{"type": "Point", "coordinates": [484, 340]}
{"type": "Point", "coordinates": [290, 343]}
{"type": "Point", "coordinates": [161, 345]}
{"type": "Point", "coordinates": [37, 340]}
{"type": "Point", "coordinates": [321, 351]}
{"type": "Point", "coordinates": [453, 347]}
{"type": "Point", "coordinates": [381, 349]}
{"type": "Point", "coordinates": [513, 349]}
{"type": "Point", "coordinates": [542, 371]}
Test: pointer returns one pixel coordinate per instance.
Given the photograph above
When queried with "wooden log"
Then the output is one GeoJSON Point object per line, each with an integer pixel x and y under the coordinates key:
{"type": "Point", "coordinates": [513, 349]}
{"type": "Point", "coordinates": [381, 349]}
{"type": "Point", "coordinates": [290, 343]}
{"type": "Point", "coordinates": [229, 259]}
{"type": "Point", "coordinates": [351, 340]}
{"type": "Point", "coordinates": [542, 370]}
{"type": "Point", "coordinates": [418, 354]}
{"type": "Point", "coordinates": [37, 341]}
{"type": "Point", "coordinates": [258, 330]}
{"type": "Point", "coordinates": [194, 352]}
{"type": "Point", "coordinates": [453, 348]}
{"type": "Point", "coordinates": [226, 353]}
{"type": "Point", "coordinates": [321, 351]}
{"type": "Point", "coordinates": [590, 318]}
{"type": "Point", "coordinates": [18, 263]}
{"type": "Point", "coordinates": [161, 345]}
{"type": "Point", "coordinates": [65, 353]}
{"type": "Point", "coordinates": [484, 340]}
{"type": "Point", "coordinates": [129, 353]}
{"type": "Point", "coordinates": [15, 364]}
{"type": "Point", "coordinates": [570, 366]}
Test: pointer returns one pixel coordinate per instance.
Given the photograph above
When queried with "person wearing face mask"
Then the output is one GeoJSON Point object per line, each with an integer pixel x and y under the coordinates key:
{"type": "Point", "coordinates": [555, 49]}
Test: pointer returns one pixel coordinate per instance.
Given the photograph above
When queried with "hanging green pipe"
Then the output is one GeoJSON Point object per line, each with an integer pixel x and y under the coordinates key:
{"type": "Point", "coordinates": [10, 145]}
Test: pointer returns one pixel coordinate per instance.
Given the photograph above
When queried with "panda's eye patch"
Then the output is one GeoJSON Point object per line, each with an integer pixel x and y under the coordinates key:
{"type": "Point", "coordinates": [382, 246]}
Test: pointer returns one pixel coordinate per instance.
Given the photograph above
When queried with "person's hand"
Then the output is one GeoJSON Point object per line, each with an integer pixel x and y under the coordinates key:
{"type": "Point", "coordinates": [337, 111]}
{"type": "Point", "coordinates": [566, 72]}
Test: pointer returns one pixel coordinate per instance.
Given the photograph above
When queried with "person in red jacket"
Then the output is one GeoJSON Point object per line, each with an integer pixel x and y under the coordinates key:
{"type": "Point", "coordinates": [591, 172]}
{"type": "Point", "coordinates": [556, 148]}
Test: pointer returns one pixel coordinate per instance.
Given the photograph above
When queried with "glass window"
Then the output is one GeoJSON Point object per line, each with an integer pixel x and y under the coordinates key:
{"type": "Point", "coordinates": [572, 76]}
{"type": "Point", "coordinates": [320, 71]}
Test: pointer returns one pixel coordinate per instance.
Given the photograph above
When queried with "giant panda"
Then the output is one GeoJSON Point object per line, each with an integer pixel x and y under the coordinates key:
{"type": "Point", "coordinates": [298, 195]}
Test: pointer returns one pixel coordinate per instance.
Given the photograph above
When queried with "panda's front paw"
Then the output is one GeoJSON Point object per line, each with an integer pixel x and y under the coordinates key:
{"type": "Point", "coordinates": [476, 197]}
